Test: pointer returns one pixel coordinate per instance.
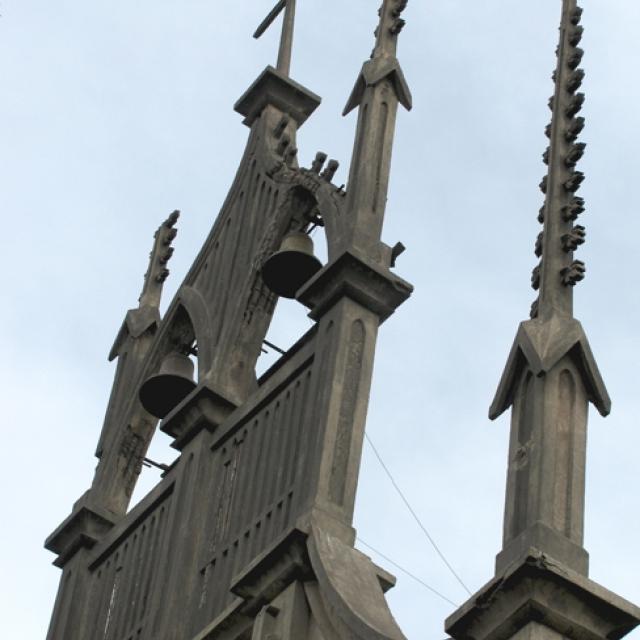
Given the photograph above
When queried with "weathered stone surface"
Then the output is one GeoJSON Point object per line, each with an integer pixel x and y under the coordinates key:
{"type": "Point", "coordinates": [248, 535]}
{"type": "Point", "coordinates": [539, 597]}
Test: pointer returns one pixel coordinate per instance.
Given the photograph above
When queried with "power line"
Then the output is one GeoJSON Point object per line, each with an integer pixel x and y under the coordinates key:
{"type": "Point", "coordinates": [411, 575]}
{"type": "Point", "coordinates": [415, 515]}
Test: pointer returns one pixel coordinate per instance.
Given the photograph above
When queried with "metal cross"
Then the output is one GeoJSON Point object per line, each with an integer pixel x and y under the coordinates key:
{"type": "Point", "coordinates": [286, 40]}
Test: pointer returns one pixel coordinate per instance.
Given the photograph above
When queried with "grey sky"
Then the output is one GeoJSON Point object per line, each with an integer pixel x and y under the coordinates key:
{"type": "Point", "coordinates": [115, 113]}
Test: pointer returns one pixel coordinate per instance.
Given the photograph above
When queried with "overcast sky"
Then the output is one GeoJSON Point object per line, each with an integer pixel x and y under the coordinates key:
{"type": "Point", "coordinates": [114, 113]}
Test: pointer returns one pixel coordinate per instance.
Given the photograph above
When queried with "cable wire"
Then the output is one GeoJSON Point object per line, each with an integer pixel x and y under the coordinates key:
{"type": "Point", "coordinates": [415, 515]}
{"type": "Point", "coordinates": [411, 575]}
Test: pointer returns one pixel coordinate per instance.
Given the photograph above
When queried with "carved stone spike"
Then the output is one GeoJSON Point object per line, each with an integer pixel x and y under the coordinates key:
{"type": "Point", "coordinates": [162, 276]}
{"type": "Point", "coordinates": [547, 130]}
{"type": "Point", "coordinates": [554, 75]}
{"type": "Point", "coordinates": [576, 36]}
{"type": "Point", "coordinates": [318, 163]}
{"type": "Point", "coordinates": [575, 154]}
{"type": "Point", "coordinates": [285, 141]}
{"type": "Point", "coordinates": [574, 129]}
{"type": "Point", "coordinates": [171, 236]}
{"type": "Point", "coordinates": [550, 103]}
{"type": "Point", "coordinates": [543, 184]}
{"type": "Point", "coordinates": [572, 240]}
{"type": "Point", "coordinates": [574, 60]}
{"type": "Point", "coordinates": [538, 247]}
{"type": "Point", "coordinates": [575, 104]}
{"type": "Point", "coordinates": [573, 274]}
{"type": "Point", "coordinates": [574, 182]}
{"type": "Point", "coordinates": [576, 16]}
{"type": "Point", "coordinates": [281, 126]}
{"type": "Point", "coordinates": [535, 277]}
{"type": "Point", "coordinates": [167, 255]}
{"type": "Point", "coordinates": [545, 155]}
{"type": "Point", "coordinates": [575, 80]}
{"type": "Point", "coordinates": [330, 171]}
{"type": "Point", "coordinates": [571, 211]}
{"type": "Point", "coordinates": [541, 214]}
{"type": "Point", "coordinates": [535, 308]}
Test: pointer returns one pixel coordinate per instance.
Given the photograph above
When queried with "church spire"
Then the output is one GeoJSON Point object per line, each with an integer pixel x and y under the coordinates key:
{"type": "Point", "coordinates": [541, 590]}
{"type": "Point", "coordinates": [553, 332]}
{"type": "Point", "coordinates": [558, 271]}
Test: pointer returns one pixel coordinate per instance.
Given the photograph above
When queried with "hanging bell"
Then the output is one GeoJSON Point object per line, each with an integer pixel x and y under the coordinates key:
{"type": "Point", "coordinates": [288, 269]}
{"type": "Point", "coordinates": [167, 389]}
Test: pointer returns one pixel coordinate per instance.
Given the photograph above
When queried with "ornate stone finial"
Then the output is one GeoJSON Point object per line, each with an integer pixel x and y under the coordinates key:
{"type": "Point", "coordinates": [390, 26]}
{"type": "Point", "coordinates": [160, 255]}
{"type": "Point", "coordinates": [560, 238]}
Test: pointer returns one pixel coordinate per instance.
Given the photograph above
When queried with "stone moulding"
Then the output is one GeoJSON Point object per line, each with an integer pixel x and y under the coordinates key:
{"type": "Point", "coordinates": [373, 72]}
{"type": "Point", "coordinates": [275, 88]}
{"type": "Point", "coordinates": [343, 589]}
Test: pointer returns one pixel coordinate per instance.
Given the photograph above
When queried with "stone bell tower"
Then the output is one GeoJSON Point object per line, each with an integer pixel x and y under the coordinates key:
{"type": "Point", "coordinates": [249, 533]}
{"type": "Point", "coordinates": [541, 589]}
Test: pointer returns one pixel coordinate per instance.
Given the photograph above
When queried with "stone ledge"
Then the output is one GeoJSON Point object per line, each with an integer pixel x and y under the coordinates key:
{"type": "Point", "coordinates": [86, 526]}
{"type": "Point", "coordinates": [201, 409]}
{"type": "Point", "coordinates": [274, 88]}
{"type": "Point", "coordinates": [543, 591]}
{"type": "Point", "coordinates": [353, 276]}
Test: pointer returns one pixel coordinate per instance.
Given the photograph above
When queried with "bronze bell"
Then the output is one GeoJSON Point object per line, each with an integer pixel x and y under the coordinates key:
{"type": "Point", "coordinates": [167, 389]}
{"type": "Point", "coordinates": [288, 269]}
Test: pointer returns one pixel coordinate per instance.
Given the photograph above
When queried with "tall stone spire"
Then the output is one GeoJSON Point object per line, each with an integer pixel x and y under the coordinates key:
{"type": "Point", "coordinates": [541, 589]}
{"type": "Point", "coordinates": [558, 272]}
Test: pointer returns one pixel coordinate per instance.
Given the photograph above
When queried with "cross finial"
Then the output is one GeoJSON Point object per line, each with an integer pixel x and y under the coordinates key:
{"type": "Point", "coordinates": [286, 39]}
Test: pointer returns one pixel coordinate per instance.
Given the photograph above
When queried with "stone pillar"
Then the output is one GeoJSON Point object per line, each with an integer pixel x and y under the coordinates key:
{"type": "Point", "coordinates": [546, 476]}
{"type": "Point", "coordinates": [349, 299]}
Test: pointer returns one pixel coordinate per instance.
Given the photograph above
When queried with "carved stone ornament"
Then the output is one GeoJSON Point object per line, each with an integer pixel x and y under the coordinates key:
{"type": "Point", "coordinates": [575, 80]}
{"type": "Point", "coordinates": [576, 16]}
{"type": "Point", "coordinates": [575, 105]}
{"type": "Point", "coordinates": [573, 274]}
{"type": "Point", "coordinates": [574, 182]}
{"type": "Point", "coordinates": [574, 60]}
{"type": "Point", "coordinates": [538, 247]}
{"type": "Point", "coordinates": [574, 129]}
{"type": "Point", "coordinates": [535, 277]}
{"type": "Point", "coordinates": [572, 210]}
{"type": "Point", "coordinates": [572, 240]}
{"type": "Point", "coordinates": [575, 154]}
{"type": "Point", "coordinates": [576, 36]}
